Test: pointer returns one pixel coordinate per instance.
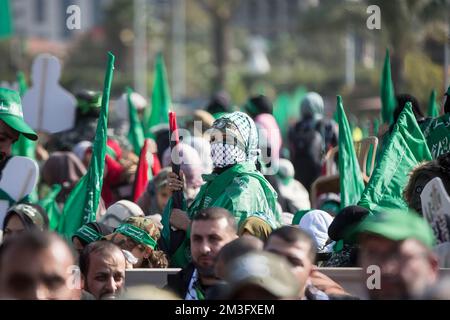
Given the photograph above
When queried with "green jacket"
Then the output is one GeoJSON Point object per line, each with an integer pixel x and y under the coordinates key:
{"type": "Point", "coordinates": [241, 189]}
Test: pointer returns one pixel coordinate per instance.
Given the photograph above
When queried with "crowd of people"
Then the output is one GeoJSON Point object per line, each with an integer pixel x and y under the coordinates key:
{"type": "Point", "coordinates": [245, 228]}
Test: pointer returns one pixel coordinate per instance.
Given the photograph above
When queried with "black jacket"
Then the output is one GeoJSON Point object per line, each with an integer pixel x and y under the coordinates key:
{"type": "Point", "coordinates": [179, 283]}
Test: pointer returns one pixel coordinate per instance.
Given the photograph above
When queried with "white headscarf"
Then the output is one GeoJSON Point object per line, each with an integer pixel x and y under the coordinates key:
{"type": "Point", "coordinates": [316, 222]}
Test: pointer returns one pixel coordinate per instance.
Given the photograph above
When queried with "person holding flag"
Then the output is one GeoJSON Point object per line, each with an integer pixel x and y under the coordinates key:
{"type": "Point", "coordinates": [235, 185]}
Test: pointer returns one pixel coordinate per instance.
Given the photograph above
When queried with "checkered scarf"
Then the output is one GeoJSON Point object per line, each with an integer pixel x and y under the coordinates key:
{"type": "Point", "coordinates": [242, 127]}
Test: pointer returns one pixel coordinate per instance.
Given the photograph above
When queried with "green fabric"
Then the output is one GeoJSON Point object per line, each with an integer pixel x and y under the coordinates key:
{"type": "Point", "coordinates": [136, 132]}
{"type": "Point", "coordinates": [137, 234]}
{"type": "Point", "coordinates": [376, 127]}
{"type": "Point", "coordinates": [6, 20]}
{"type": "Point", "coordinates": [397, 225]}
{"type": "Point", "coordinates": [11, 113]}
{"type": "Point", "coordinates": [298, 216]}
{"type": "Point", "coordinates": [240, 189]}
{"type": "Point", "coordinates": [88, 234]}
{"type": "Point", "coordinates": [405, 149]}
{"type": "Point", "coordinates": [388, 101]}
{"type": "Point", "coordinates": [161, 101]}
{"type": "Point", "coordinates": [49, 204]}
{"type": "Point", "coordinates": [24, 147]}
{"type": "Point", "coordinates": [437, 134]}
{"type": "Point", "coordinates": [350, 178]}
{"type": "Point", "coordinates": [243, 191]}
{"type": "Point", "coordinates": [433, 106]}
{"type": "Point", "coordinates": [82, 202]}
{"type": "Point", "coordinates": [281, 113]}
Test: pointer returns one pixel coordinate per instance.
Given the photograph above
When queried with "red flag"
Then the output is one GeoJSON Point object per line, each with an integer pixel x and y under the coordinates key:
{"type": "Point", "coordinates": [141, 179]}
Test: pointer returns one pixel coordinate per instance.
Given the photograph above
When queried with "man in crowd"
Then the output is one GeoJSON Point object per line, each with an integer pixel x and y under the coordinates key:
{"type": "Point", "coordinates": [298, 247]}
{"type": "Point", "coordinates": [400, 245]}
{"type": "Point", "coordinates": [211, 229]}
{"type": "Point", "coordinates": [38, 265]}
{"type": "Point", "coordinates": [102, 265]}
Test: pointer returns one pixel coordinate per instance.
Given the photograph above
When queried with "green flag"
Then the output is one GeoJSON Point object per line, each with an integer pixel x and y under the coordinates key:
{"type": "Point", "coordinates": [161, 101]}
{"type": "Point", "coordinates": [82, 202]}
{"type": "Point", "coordinates": [350, 178]}
{"type": "Point", "coordinates": [405, 149]}
{"type": "Point", "coordinates": [388, 101]}
{"type": "Point", "coordinates": [433, 107]}
{"type": "Point", "coordinates": [6, 20]}
{"type": "Point", "coordinates": [281, 113]}
{"type": "Point", "coordinates": [136, 132]}
{"type": "Point", "coordinates": [49, 204]}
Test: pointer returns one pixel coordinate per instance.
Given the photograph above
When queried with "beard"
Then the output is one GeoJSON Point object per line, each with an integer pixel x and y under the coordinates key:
{"type": "Point", "coordinates": [205, 271]}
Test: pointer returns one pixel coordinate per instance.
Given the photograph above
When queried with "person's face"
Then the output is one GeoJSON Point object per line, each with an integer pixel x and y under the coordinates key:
{"type": "Point", "coordinates": [42, 275]}
{"type": "Point", "coordinates": [139, 251]}
{"type": "Point", "coordinates": [162, 196]}
{"type": "Point", "coordinates": [106, 275]}
{"type": "Point", "coordinates": [296, 253]}
{"type": "Point", "coordinates": [7, 137]}
{"type": "Point", "coordinates": [207, 238]}
{"type": "Point", "coordinates": [406, 267]}
{"type": "Point", "coordinates": [13, 227]}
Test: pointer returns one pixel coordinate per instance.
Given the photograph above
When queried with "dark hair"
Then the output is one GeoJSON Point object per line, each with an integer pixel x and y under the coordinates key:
{"type": "Point", "coordinates": [402, 99]}
{"type": "Point", "coordinates": [291, 235]}
{"type": "Point", "coordinates": [216, 213]}
{"type": "Point", "coordinates": [447, 103]}
{"type": "Point", "coordinates": [219, 102]}
{"type": "Point", "coordinates": [257, 105]}
{"type": "Point", "coordinates": [101, 247]}
{"type": "Point", "coordinates": [27, 222]}
{"type": "Point", "coordinates": [33, 241]}
{"type": "Point", "coordinates": [240, 246]}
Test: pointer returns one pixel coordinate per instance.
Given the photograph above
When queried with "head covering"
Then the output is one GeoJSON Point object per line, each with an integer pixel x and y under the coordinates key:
{"type": "Point", "coordinates": [269, 133]}
{"type": "Point", "coordinates": [80, 149]}
{"type": "Point", "coordinates": [345, 220]}
{"type": "Point", "coordinates": [265, 270]}
{"type": "Point", "coordinates": [63, 168]}
{"type": "Point", "coordinates": [88, 101]}
{"type": "Point", "coordinates": [120, 211]}
{"type": "Point", "coordinates": [257, 105]}
{"type": "Point", "coordinates": [92, 231]}
{"type": "Point", "coordinates": [143, 230]}
{"type": "Point", "coordinates": [397, 225]}
{"type": "Point", "coordinates": [219, 103]}
{"type": "Point", "coordinates": [189, 161]}
{"type": "Point", "coordinates": [11, 113]}
{"type": "Point", "coordinates": [239, 129]}
{"type": "Point", "coordinates": [286, 170]}
{"type": "Point", "coordinates": [316, 222]}
{"type": "Point", "coordinates": [31, 215]}
{"type": "Point", "coordinates": [312, 106]}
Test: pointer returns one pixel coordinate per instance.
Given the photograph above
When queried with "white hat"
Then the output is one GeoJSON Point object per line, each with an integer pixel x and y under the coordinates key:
{"type": "Point", "coordinates": [120, 211]}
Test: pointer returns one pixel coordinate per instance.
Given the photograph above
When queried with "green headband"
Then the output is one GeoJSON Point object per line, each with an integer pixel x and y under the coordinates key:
{"type": "Point", "coordinates": [136, 234]}
{"type": "Point", "coordinates": [88, 234]}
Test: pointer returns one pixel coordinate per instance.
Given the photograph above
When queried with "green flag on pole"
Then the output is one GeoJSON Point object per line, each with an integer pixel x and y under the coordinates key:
{"type": "Point", "coordinates": [82, 202]}
{"type": "Point", "coordinates": [161, 101]}
{"type": "Point", "coordinates": [388, 101]}
{"type": "Point", "coordinates": [136, 132]}
{"type": "Point", "coordinates": [405, 149]}
{"type": "Point", "coordinates": [6, 20]}
{"type": "Point", "coordinates": [49, 204]}
{"type": "Point", "coordinates": [281, 113]}
{"type": "Point", "coordinates": [433, 107]}
{"type": "Point", "coordinates": [350, 178]}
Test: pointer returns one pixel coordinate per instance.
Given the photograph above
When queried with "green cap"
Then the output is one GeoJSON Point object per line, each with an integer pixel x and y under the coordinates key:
{"type": "Point", "coordinates": [11, 113]}
{"type": "Point", "coordinates": [87, 234]}
{"type": "Point", "coordinates": [397, 225]}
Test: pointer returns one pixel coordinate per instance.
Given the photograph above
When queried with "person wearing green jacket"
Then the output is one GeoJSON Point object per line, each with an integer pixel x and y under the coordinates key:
{"type": "Point", "coordinates": [235, 184]}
